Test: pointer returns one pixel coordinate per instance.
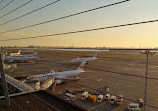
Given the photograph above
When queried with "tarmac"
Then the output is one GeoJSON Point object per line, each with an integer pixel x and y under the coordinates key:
{"type": "Point", "coordinates": [122, 71]}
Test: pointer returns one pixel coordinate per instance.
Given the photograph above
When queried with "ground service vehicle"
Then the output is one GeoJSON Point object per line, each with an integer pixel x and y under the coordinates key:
{"type": "Point", "coordinates": [70, 95]}
{"type": "Point", "coordinates": [84, 95]}
{"type": "Point", "coordinates": [91, 97]}
{"type": "Point", "coordinates": [113, 99]}
{"type": "Point", "coordinates": [107, 96]}
{"type": "Point", "coordinates": [107, 89]}
{"type": "Point", "coordinates": [119, 99]}
{"type": "Point", "coordinates": [133, 107]}
{"type": "Point", "coordinates": [100, 98]}
{"type": "Point", "coordinates": [140, 102]}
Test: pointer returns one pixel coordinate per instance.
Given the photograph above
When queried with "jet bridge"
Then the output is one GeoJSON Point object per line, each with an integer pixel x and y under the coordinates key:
{"type": "Point", "coordinates": [35, 84]}
{"type": "Point", "coordinates": [18, 84]}
{"type": "Point", "coordinates": [15, 84]}
{"type": "Point", "coordinates": [47, 83]}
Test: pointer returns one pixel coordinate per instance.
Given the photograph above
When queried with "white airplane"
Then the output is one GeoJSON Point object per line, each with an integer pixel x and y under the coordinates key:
{"type": "Point", "coordinates": [27, 51]}
{"type": "Point", "coordinates": [84, 59]}
{"type": "Point", "coordinates": [148, 52]}
{"type": "Point", "coordinates": [58, 76]}
{"type": "Point", "coordinates": [21, 58]}
{"type": "Point", "coordinates": [91, 55]}
{"type": "Point", "coordinates": [15, 54]}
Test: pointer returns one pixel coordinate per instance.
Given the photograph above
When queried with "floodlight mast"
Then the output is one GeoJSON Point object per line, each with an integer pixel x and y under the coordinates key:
{"type": "Point", "coordinates": [147, 52]}
{"type": "Point", "coordinates": [3, 80]}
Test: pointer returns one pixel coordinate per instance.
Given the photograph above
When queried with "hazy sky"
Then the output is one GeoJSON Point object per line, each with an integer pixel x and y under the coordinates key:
{"type": "Point", "coordinates": [145, 35]}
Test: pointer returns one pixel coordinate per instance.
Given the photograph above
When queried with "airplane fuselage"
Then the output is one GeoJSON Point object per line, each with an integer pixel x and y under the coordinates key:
{"type": "Point", "coordinates": [12, 59]}
{"type": "Point", "coordinates": [83, 59]}
{"type": "Point", "coordinates": [57, 75]}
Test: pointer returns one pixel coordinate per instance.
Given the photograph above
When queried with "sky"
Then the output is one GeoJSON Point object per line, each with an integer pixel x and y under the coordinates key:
{"type": "Point", "coordinates": [145, 35]}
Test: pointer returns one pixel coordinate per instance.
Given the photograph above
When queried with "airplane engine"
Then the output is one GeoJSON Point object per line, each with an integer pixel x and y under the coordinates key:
{"type": "Point", "coordinates": [58, 81]}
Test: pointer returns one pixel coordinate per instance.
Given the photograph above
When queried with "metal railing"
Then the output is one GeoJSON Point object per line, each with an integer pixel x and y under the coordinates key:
{"type": "Point", "coordinates": [18, 84]}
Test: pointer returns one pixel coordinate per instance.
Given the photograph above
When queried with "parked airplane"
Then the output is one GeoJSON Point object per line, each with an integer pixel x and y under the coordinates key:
{"type": "Point", "coordinates": [58, 76]}
{"type": "Point", "coordinates": [15, 54]}
{"type": "Point", "coordinates": [91, 55]}
{"type": "Point", "coordinates": [22, 55]}
{"type": "Point", "coordinates": [27, 51]}
{"type": "Point", "coordinates": [84, 59]}
{"type": "Point", "coordinates": [21, 58]}
{"type": "Point", "coordinates": [147, 51]}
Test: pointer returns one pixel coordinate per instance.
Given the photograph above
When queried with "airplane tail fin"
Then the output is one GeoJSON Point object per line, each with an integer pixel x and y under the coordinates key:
{"type": "Point", "coordinates": [35, 53]}
{"type": "Point", "coordinates": [19, 51]}
{"type": "Point", "coordinates": [81, 65]}
{"type": "Point", "coordinates": [52, 71]}
{"type": "Point", "coordinates": [95, 54]}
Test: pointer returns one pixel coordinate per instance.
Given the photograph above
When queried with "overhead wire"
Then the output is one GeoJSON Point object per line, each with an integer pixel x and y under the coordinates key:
{"type": "Point", "coordinates": [13, 103]}
{"type": "Point", "coordinates": [45, 102]}
{"type": "Point", "coordinates": [1, 1]}
{"type": "Point", "coordinates": [16, 9]}
{"type": "Point", "coordinates": [6, 5]}
{"type": "Point", "coordinates": [82, 31]}
{"type": "Point", "coordinates": [71, 15]}
{"type": "Point", "coordinates": [118, 26]}
{"type": "Point", "coordinates": [111, 27]}
{"type": "Point", "coordinates": [30, 12]}
{"type": "Point", "coordinates": [36, 98]}
{"type": "Point", "coordinates": [24, 101]}
{"type": "Point", "coordinates": [40, 99]}
{"type": "Point", "coordinates": [5, 103]}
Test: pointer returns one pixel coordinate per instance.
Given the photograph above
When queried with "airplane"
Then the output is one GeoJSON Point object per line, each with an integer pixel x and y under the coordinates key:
{"type": "Point", "coordinates": [21, 58]}
{"type": "Point", "coordinates": [91, 55]}
{"type": "Point", "coordinates": [21, 55]}
{"type": "Point", "coordinates": [84, 59]}
{"type": "Point", "coordinates": [147, 51]}
{"type": "Point", "coordinates": [58, 76]}
{"type": "Point", "coordinates": [15, 54]}
{"type": "Point", "coordinates": [27, 51]}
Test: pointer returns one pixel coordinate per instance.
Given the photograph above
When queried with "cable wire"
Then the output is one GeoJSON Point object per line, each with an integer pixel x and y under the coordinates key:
{"type": "Point", "coordinates": [16, 9]}
{"type": "Point", "coordinates": [23, 100]}
{"type": "Point", "coordinates": [50, 105]}
{"type": "Point", "coordinates": [81, 31]}
{"type": "Point", "coordinates": [90, 10]}
{"type": "Point", "coordinates": [1, 1]}
{"type": "Point", "coordinates": [7, 5]}
{"type": "Point", "coordinates": [13, 103]}
{"type": "Point", "coordinates": [30, 12]}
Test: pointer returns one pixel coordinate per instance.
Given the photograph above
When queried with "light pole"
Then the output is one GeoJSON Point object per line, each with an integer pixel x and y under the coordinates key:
{"type": "Point", "coordinates": [3, 80]}
{"type": "Point", "coordinates": [147, 52]}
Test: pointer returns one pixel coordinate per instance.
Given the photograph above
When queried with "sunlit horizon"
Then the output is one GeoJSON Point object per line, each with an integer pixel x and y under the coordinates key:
{"type": "Point", "coordinates": [137, 36]}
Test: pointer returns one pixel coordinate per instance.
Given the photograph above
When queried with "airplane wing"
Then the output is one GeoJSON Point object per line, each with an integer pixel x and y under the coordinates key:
{"type": "Point", "coordinates": [70, 78]}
